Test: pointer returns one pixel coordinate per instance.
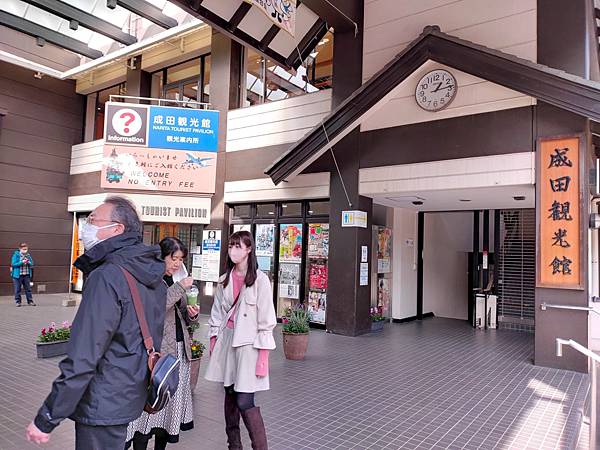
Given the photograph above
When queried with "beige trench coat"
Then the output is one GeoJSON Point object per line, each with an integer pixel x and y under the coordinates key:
{"type": "Point", "coordinates": [169, 343]}
{"type": "Point", "coordinates": [255, 314]}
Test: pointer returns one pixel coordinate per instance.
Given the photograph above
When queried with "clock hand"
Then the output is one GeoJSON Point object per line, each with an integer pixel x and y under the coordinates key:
{"type": "Point", "coordinates": [446, 87]}
{"type": "Point", "coordinates": [437, 88]}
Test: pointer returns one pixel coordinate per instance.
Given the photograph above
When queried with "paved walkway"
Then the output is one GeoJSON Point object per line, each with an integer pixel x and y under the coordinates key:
{"type": "Point", "coordinates": [431, 384]}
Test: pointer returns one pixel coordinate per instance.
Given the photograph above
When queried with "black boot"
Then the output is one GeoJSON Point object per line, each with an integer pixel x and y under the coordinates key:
{"type": "Point", "coordinates": [140, 442]}
{"type": "Point", "coordinates": [256, 428]}
{"type": "Point", "coordinates": [232, 422]}
{"type": "Point", "coordinates": [160, 441]}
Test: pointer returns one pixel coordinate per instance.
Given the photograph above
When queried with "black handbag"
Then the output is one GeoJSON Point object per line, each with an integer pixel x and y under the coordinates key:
{"type": "Point", "coordinates": [164, 369]}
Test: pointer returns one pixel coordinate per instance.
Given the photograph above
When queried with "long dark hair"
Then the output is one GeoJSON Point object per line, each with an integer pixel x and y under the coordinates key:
{"type": "Point", "coordinates": [170, 245]}
{"type": "Point", "coordinates": [246, 238]}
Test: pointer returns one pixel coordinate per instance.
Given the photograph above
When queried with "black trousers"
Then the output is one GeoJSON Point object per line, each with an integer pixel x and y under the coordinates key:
{"type": "Point", "coordinates": [88, 437]}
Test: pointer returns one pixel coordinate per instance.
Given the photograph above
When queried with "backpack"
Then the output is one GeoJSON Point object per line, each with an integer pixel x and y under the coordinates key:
{"type": "Point", "coordinates": [164, 369]}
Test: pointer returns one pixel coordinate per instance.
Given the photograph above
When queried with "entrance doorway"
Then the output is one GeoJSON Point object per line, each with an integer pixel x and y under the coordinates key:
{"type": "Point", "coordinates": [468, 257]}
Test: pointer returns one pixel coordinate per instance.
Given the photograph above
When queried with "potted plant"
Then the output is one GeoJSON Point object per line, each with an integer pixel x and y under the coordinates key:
{"type": "Point", "coordinates": [377, 319]}
{"type": "Point", "coordinates": [295, 333]}
{"type": "Point", "coordinates": [53, 340]}
{"type": "Point", "coordinates": [197, 352]}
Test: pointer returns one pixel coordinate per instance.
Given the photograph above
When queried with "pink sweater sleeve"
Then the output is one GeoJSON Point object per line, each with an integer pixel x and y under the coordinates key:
{"type": "Point", "coordinates": [262, 363]}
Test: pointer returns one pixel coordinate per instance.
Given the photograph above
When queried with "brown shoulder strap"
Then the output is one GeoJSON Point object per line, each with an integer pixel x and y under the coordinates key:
{"type": "Point", "coordinates": [139, 311]}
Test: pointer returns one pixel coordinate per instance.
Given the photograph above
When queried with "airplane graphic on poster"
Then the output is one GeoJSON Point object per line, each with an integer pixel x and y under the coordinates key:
{"type": "Point", "coordinates": [202, 162]}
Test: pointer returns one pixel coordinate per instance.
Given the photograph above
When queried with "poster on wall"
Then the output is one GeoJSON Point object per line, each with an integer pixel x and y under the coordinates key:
{"type": "Point", "coordinates": [318, 240]}
{"type": "Point", "coordinates": [289, 280]}
{"type": "Point", "coordinates": [317, 302]}
{"type": "Point", "coordinates": [265, 240]}
{"type": "Point", "coordinates": [317, 275]}
{"type": "Point", "coordinates": [384, 250]}
{"type": "Point", "coordinates": [211, 255]}
{"type": "Point", "coordinates": [383, 295]}
{"type": "Point", "coordinates": [290, 243]}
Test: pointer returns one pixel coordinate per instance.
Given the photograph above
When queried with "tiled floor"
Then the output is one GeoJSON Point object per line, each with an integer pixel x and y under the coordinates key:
{"type": "Point", "coordinates": [431, 384]}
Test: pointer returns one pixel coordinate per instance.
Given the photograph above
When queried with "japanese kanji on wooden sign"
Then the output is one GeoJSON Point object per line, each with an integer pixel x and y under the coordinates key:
{"type": "Point", "coordinates": [559, 210]}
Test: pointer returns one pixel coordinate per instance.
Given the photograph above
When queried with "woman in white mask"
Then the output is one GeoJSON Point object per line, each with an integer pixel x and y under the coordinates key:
{"type": "Point", "coordinates": [241, 335]}
{"type": "Point", "coordinates": [178, 414]}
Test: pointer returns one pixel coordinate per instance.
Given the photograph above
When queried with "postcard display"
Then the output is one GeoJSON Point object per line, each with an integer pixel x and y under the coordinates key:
{"type": "Point", "coordinates": [316, 270]}
{"type": "Point", "coordinates": [290, 263]}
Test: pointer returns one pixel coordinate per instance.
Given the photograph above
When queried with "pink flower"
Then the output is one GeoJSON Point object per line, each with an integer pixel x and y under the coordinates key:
{"type": "Point", "coordinates": [43, 332]}
{"type": "Point", "coordinates": [65, 324]}
{"type": "Point", "coordinates": [284, 320]}
{"type": "Point", "coordinates": [53, 325]}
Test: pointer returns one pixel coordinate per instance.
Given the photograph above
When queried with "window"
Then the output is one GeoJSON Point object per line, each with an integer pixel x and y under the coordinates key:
{"type": "Point", "coordinates": [241, 212]}
{"type": "Point", "coordinates": [188, 81]}
{"type": "Point", "coordinates": [101, 98]}
{"type": "Point", "coordinates": [265, 210]}
{"type": "Point", "coordinates": [291, 209]}
{"type": "Point", "coordinates": [318, 209]}
{"type": "Point", "coordinates": [267, 82]}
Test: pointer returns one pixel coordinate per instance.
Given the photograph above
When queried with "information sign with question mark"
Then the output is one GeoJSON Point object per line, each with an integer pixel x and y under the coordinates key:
{"type": "Point", "coordinates": [126, 122]}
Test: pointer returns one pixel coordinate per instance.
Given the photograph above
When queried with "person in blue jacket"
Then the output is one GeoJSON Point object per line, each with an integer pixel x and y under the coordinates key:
{"type": "Point", "coordinates": [21, 269]}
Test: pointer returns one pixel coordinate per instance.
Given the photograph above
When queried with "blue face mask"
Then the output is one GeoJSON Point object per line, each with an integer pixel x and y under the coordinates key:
{"type": "Point", "coordinates": [89, 233]}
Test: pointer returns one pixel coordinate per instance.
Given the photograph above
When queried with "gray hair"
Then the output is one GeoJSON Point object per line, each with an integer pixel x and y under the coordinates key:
{"type": "Point", "coordinates": [124, 212]}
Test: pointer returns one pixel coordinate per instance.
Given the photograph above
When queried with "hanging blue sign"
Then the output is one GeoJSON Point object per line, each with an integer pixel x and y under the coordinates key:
{"type": "Point", "coordinates": [183, 128]}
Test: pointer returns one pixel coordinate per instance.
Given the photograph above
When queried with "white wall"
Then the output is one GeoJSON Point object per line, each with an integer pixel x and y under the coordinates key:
{"type": "Point", "coordinates": [390, 25]}
{"type": "Point", "coordinates": [276, 123]}
{"type": "Point", "coordinates": [404, 269]}
{"type": "Point", "coordinates": [447, 241]}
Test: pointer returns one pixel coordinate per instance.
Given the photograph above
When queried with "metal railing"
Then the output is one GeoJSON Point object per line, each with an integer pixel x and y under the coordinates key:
{"type": "Point", "coordinates": [593, 358]}
{"type": "Point", "coordinates": [545, 306]}
{"type": "Point", "coordinates": [161, 101]}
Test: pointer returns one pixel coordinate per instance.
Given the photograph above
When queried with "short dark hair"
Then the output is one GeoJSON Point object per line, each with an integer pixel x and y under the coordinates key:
{"type": "Point", "coordinates": [23, 244]}
{"type": "Point", "coordinates": [170, 245]}
{"type": "Point", "coordinates": [124, 212]}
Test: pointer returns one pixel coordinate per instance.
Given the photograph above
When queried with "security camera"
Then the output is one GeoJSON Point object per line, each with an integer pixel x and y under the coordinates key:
{"type": "Point", "coordinates": [417, 202]}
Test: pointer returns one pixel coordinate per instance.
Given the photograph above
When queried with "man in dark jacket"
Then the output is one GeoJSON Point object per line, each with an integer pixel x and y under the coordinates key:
{"type": "Point", "coordinates": [103, 379]}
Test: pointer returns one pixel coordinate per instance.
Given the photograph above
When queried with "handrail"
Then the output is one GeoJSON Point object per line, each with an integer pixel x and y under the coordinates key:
{"type": "Point", "coordinates": [593, 375]}
{"type": "Point", "coordinates": [577, 346]}
{"type": "Point", "coordinates": [544, 306]}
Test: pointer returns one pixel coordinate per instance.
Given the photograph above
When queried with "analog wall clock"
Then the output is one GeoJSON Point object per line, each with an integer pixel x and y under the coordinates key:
{"type": "Point", "coordinates": [436, 90]}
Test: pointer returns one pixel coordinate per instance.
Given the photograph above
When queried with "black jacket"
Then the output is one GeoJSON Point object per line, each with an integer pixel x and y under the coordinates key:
{"type": "Point", "coordinates": [103, 379]}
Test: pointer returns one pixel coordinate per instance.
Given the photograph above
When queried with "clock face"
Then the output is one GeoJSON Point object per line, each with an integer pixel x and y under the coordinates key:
{"type": "Point", "coordinates": [436, 90]}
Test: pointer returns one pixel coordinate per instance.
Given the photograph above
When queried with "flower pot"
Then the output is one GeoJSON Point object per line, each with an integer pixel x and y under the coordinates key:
{"type": "Point", "coordinates": [50, 349]}
{"type": "Point", "coordinates": [377, 326]}
{"type": "Point", "coordinates": [194, 371]}
{"type": "Point", "coordinates": [295, 345]}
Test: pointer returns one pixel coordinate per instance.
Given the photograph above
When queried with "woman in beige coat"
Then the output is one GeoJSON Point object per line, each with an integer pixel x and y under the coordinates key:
{"type": "Point", "coordinates": [241, 335]}
{"type": "Point", "coordinates": [178, 414]}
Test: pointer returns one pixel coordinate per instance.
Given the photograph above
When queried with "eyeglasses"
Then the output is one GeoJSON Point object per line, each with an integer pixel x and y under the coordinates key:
{"type": "Point", "coordinates": [94, 221]}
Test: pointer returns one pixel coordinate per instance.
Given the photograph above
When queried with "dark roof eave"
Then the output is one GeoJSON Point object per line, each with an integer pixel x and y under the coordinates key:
{"type": "Point", "coordinates": [552, 86]}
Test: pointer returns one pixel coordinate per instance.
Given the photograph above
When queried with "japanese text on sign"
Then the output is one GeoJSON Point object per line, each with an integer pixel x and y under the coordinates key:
{"type": "Point", "coordinates": [559, 264]}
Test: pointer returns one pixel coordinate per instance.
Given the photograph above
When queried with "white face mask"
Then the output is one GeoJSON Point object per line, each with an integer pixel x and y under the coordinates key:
{"type": "Point", "coordinates": [89, 234]}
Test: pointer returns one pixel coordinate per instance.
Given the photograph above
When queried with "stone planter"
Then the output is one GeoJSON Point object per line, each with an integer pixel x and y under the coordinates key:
{"type": "Point", "coordinates": [194, 372]}
{"type": "Point", "coordinates": [377, 326]}
{"type": "Point", "coordinates": [295, 345]}
{"type": "Point", "coordinates": [51, 349]}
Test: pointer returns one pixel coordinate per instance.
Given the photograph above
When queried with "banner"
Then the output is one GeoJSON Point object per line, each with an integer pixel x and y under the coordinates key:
{"type": "Point", "coordinates": [159, 148]}
{"type": "Point", "coordinates": [290, 243]}
{"type": "Point", "coordinates": [211, 255]}
{"type": "Point", "coordinates": [125, 167]}
{"type": "Point", "coordinates": [281, 12]}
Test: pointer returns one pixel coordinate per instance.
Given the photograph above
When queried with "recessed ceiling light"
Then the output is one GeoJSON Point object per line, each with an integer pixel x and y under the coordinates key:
{"type": "Point", "coordinates": [310, 212]}
{"type": "Point", "coordinates": [271, 213]}
{"type": "Point", "coordinates": [464, 200]}
{"type": "Point", "coordinates": [519, 198]}
{"type": "Point", "coordinates": [284, 206]}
